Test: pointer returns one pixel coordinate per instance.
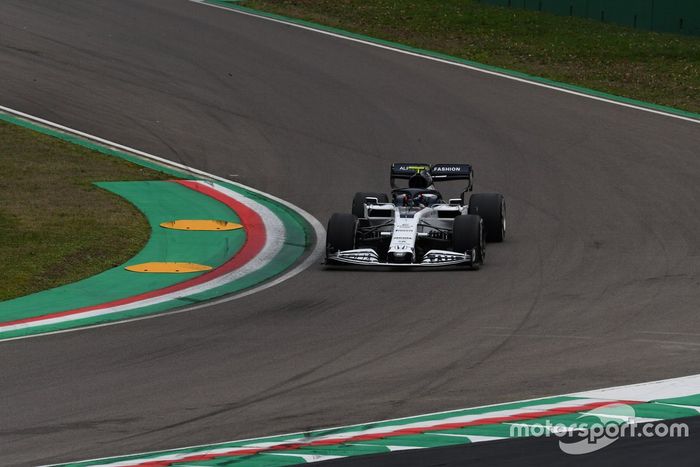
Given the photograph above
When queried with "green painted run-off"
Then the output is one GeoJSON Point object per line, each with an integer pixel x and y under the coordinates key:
{"type": "Point", "coordinates": [159, 202]}
{"type": "Point", "coordinates": [307, 443]}
{"type": "Point", "coordinates": [299, 238]}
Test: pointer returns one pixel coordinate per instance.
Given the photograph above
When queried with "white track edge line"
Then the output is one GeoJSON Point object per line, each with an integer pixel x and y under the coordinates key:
{"type": "Point", "coordinates": [315, 221]}
{"type": "Point", "coordinates": [274, 231]}
{"type": "Point", "coordinates": [451, 62]}
{"type": "Point", "coordinates": [213, 445]}
{"type": "Point", "coordinates": [311, 258]}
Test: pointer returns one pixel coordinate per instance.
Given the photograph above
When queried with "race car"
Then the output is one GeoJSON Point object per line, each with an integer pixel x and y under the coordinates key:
{"type": "Point", "coordinates": [417, 227]}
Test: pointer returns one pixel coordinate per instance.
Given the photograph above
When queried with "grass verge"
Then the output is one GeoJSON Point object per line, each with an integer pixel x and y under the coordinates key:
{"type": "Point", "coordinates": [56, 226]}
{"type": "Point", "coordinates": [654, 67]}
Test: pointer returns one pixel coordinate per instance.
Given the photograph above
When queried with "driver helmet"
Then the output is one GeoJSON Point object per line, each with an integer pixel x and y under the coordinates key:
{"type": "Point", "coordinates": [421, 179]}
{"type": "Point", "coordinates": [426, 199]}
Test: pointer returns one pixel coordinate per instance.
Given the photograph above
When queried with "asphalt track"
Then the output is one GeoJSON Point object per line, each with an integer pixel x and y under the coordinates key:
{"type": "Point", "coordinates": [597, 284]}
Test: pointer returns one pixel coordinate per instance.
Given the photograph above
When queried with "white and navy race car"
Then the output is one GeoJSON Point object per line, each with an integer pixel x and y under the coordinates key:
{"type": "Point", "coordinates": [417, 227]}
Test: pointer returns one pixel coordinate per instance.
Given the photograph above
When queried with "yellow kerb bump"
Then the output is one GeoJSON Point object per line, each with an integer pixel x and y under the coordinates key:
{"type": "Point", "coordinates": [168, 267]}
{"type": "Point", "coordinates": [185, 224]}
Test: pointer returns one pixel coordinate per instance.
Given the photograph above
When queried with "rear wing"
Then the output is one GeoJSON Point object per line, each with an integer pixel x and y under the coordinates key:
{"type": "Point", "coordinates": [439, 172]}
{"type": "Point", "coordinates": [405, 170]}
{"type": "Point", "coordinates": [451, 172]}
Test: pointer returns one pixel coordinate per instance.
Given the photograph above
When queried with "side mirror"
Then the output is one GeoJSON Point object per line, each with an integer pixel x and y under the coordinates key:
{"type": "Point", "coordinates": [371, 200]}
{"type": "Point", "coordinates": [456, 201]}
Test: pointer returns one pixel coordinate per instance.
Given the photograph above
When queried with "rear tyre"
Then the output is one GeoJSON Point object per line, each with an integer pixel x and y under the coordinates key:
{"type": "Point", "coordinates": [468, 235]}
{"type": "Point", "coordinates": [340, 235]}
{"type": "Point", "coordinates": [358, 202]}
{"type": "Point", "coordinates": [492, 209]}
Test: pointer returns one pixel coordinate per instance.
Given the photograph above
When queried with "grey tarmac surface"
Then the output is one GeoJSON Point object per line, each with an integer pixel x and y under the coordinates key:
{"type": "Point", "coordinates": [597, 284]}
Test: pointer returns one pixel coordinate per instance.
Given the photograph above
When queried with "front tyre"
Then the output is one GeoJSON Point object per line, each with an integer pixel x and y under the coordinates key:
{"type": "Point", "coordinates": [340, 235]}
{"type": "Point", "coordinates": [468, 236]}
{"type": "Point", "coordinates": [492, 209]}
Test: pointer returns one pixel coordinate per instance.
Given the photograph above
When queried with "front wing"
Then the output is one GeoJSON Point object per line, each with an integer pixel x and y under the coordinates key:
{"type": "Point", "coordinates": [433, 258]}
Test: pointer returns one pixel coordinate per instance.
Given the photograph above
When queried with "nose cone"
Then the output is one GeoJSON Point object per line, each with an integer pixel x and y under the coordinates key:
{"type": "Point", "coordinates": [400, 257]}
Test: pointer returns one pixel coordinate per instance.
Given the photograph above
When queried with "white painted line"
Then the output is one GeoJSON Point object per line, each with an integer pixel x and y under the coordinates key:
{"type": "Point", "coordinates": [402, 425]}
{"type": "Point", "coordinates": [684, 386]}
{"type": "Point", "coordinates": [482, 439]}
{"type": "Point", "coordinates": [315, 254]}
{"type": "Point", "coordinates": [475, 438]}
{"type": "Point", "coordinates": [450, 62]}
{"type": "Point", "coordinates": [691, 407]}
{"type": "Point", "coordinates": [347, 435]}
{"type": "Point", "coordinates": [274, 240]}
{"type": "Point", "coordinates": [308, 458]}
{"type": "Point", "coordinates": [664, 389]}
{"type": "Point", "coordinates": [393, 448]}
{"type": "Point", "coordinates": [450, 434]}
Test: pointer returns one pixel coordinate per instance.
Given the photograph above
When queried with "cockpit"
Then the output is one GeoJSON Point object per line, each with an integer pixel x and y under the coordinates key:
{"type": "Point", "coordinates": [416, 197]}
{"type": "Point", "coordinates": [420, 193]}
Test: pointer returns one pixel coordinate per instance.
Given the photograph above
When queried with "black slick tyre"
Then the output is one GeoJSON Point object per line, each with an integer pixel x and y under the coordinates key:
{"type": "Point", "coordinates": [492, 209]}
{"type": "Point", "coordinates": [468, 235]}
{"type": "Point", "coordinates": [340, 235]}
